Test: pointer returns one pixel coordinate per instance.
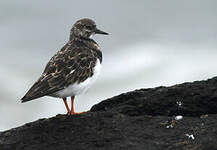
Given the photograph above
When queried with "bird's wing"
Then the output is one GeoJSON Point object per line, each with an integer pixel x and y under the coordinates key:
{"type": "Point", "coordinates": [64, 68]}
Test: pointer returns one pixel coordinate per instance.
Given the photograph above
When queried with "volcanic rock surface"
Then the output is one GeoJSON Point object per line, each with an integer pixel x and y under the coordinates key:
{"type": "Point", "coordinates": [180, 117]}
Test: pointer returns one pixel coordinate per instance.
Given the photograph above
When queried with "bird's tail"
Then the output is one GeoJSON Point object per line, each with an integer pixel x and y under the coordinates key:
{"type": "Point", "coordinates": [27, 98]}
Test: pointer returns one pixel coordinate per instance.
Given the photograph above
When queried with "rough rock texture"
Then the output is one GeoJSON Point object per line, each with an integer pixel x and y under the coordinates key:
{"type": "Point", "coordinates": [139, 120]}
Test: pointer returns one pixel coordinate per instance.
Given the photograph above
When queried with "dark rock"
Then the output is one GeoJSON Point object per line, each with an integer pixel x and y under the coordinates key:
{"type": "Point", "coordinates": [137, 120]}
{"type": "Point", "coordinates": [197, 98]}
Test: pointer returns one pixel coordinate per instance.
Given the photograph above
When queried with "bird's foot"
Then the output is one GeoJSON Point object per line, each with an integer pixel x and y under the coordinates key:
{"type": "Point", "coordinates": [75, 113]}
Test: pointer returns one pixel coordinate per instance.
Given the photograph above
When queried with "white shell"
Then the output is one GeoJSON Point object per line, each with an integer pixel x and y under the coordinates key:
{"type": "Point", "coordinates": [76, 89]}
{"type": "Point", "coordinates": [190, 136]}
{"type": "Point", "coordinates": [178, 117]}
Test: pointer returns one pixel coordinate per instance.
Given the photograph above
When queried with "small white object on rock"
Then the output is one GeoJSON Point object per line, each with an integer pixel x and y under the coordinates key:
{"type": "Point", "coordinates": [190, 136]}
{"type": "Point", "coordinates": [179, 103]}
{"type": "Point", "coordinates": [178, 117]}
{"type": "Point", "coordinates": [169, 126]}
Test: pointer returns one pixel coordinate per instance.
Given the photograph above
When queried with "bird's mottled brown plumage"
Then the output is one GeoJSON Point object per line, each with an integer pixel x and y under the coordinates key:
{"type": "Point", "coordinates": [74, 63]}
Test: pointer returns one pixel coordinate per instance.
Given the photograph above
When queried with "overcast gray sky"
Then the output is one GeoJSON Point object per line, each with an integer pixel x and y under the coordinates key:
{"type": "Point", "coordinates": [151, 43]}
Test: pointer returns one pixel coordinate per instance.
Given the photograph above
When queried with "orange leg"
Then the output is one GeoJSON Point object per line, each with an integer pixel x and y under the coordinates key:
{"type": "Point", "coordinates": [72, 105]}
{"type": "Point", "coordinates": [67, 107]}
{"type": "Point", "coordinates": [72, 112]}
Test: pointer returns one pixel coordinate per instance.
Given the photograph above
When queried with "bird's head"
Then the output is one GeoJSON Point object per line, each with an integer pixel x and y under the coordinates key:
{"type": "Point", "coordinates": [85, 28]}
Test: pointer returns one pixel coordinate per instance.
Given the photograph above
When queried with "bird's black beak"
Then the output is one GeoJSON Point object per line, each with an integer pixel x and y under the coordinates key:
{"type": "Point", "coordinates": [97, 31]}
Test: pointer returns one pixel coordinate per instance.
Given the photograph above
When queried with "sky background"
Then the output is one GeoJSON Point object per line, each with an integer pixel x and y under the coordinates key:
{"type": "Point", "coordinates": [151, 43]}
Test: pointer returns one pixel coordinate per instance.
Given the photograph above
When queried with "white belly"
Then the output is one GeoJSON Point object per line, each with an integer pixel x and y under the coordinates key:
{"type": "Point", "coordinates": [76, 89]}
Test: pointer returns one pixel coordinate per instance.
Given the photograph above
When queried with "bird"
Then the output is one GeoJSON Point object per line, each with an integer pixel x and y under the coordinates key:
{"type": "Point", "coordinates": [73, 69]}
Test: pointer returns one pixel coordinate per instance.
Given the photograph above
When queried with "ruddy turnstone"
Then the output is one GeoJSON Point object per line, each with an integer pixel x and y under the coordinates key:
{"type": "Point", "coordinates": [73, 69]}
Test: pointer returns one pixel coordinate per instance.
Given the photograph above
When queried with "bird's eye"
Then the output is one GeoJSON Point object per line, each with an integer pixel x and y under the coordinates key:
{"type": "Point", "coordinates": [89, 27]}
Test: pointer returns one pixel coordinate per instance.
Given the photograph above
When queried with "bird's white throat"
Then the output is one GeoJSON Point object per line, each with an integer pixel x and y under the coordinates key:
{"type": "Point", "coordinates": [91, 36]}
